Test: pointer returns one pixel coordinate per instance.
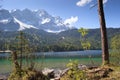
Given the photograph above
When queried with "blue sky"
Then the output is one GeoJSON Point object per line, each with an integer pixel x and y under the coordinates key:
{"type": "Point", "coordinates": [75, 12]}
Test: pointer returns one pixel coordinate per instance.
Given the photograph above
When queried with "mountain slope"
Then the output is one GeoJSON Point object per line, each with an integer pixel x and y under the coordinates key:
{"type": "Point", "coordinates": [63, 41]}
{"type": "Point", "coordinates": [10, 23]}
{"type": "Point", "coordinates": [23, 19]}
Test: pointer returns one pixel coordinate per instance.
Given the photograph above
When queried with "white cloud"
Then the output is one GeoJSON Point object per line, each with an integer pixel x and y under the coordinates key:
{"type": "Point", "coordinates": [83, 2]}
{"type": "Point", "coordinates": [71, 20]}
{"type": "Point", "coordinates": [45, 20]}
{"type": "Point", "coordinates": [105, 1]}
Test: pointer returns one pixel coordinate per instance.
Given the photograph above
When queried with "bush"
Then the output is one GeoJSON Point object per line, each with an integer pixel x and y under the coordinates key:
{"type": "Point", "coordinates": [115, 52]}
{"type": "Point", "coordinates": [74, 73]}
{"type": "Point", "coordinates": [115, 57]}
{"type": "Point", "coordinates": [27, 75]}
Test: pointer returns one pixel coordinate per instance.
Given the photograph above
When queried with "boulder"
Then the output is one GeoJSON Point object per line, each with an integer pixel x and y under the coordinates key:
{"type": "Point", "coordinates": [48, 72]}
{"type": "Point", "coordinates": [3, 77]}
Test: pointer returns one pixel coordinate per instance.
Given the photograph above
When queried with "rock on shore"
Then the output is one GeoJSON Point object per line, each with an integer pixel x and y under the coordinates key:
{"type": "Point", "coordinates": [3, 77]}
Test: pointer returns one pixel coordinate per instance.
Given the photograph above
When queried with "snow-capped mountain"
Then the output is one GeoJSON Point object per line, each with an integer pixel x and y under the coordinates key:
{"type": "Point", "coordinates": [23, 25]}
{"type": "Point", "coordinates": [24, 19]}
{"type": "Point", "coordinates": [10, 23]}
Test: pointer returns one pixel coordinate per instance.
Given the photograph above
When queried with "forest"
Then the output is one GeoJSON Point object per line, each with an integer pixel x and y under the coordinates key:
{"type": "Point", "coordinates": [44, 41]}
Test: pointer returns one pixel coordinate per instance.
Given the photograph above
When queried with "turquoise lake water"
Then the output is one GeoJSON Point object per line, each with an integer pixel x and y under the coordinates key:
{"type": "Point", "coordinates": [56, 59]}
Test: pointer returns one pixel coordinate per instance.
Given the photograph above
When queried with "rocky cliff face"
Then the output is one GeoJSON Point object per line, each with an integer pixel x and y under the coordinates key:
{"type": "Point", "coordinates": [23, 19]}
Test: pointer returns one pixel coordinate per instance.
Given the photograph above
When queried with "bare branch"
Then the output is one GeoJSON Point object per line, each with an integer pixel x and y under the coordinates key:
{"type": "Point", "coordinates": [93, 5]}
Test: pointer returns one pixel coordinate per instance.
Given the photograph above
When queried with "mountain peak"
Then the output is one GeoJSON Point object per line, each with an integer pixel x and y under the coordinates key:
{"type": "Point", "coordinates": [4, 14]}
{"type": "Point", "coordinates": [39, 19]}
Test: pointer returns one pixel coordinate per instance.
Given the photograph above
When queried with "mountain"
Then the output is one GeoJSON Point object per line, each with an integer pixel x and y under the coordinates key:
{"type": "Point", "coordinates": [63, 41]}
{"type": "Point", "coordinates": [10, 23]}
{"type": "Point", "coordinates": [16, 20]}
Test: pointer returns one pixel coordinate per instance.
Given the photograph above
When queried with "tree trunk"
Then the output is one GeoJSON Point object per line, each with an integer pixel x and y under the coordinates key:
{"type": "Point", "coordinates": [105, 52]}
{"type": "Point", "coordinates": [21, 49]}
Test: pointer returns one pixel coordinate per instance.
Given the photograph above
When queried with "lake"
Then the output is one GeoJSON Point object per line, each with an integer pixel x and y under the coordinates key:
{"type": "Point", "coordinates": [55, 59]}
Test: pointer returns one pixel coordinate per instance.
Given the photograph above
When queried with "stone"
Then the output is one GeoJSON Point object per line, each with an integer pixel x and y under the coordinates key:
{"type": "Point", "coordinates": [3, 77]}
{"type": "Point", "coordinates": [46, 71]}
{"type": "Point", "coordinates": [82, 67]}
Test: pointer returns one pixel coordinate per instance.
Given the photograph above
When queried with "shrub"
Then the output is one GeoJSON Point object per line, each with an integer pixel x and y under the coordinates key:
{"type": "Point", "coordinates": [74, 73]}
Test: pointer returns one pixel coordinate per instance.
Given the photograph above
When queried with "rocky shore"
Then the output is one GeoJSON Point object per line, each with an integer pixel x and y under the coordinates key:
{"type": "Point", "coordinates": [4, 76]}
{"type": "Point", "coordinates": [57, 74]}
{"type": "Point", "coordinates": [53, 74]}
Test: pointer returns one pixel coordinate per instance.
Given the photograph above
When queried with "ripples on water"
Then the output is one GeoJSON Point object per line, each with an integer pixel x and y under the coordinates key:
{"type": "Point", "coordinates": [55, 59]}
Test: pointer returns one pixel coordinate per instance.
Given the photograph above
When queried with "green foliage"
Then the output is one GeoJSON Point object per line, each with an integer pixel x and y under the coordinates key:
{"type": "Point", "coordinates": [44, 41]}
{"type": "Point", "coordinates": [115, 57]}
{"type": "Point", "coordinates": [27, 75]}
{"type": "Point", "coordinates": [74, 72]}
{"type": "Point", "coordinates": [22, 47]}
{"type": "Point", "coordinates": [84, 42]}
{"type": "Point", "coordinates": [115, 50]}
{"type": "Point", "coordinates": [83, 31]}
{"type": "Point", "coordinates": [21, 43]}
{"type": "Point", "coordinates": [21, 51]}
{"type": "Point", "coordinates": [115, 42]}
{"type": "Point", "coordinates": [86, 45]}
{"type": "Point", "coordinates": [17, 75]}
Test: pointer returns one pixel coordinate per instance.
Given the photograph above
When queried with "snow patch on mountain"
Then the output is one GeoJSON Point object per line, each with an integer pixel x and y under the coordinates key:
{"type": "Point", "coordinates": [23, 25]}
{"type": "Point", "coordinates": [59, 24]}
{"type": "Point", "coordinates": [51, 31]}
{"type": "Point", "coordinates": [45, 20]}
{"type": "Point", "coordinates": [13, 10]}
{"type": "Point", "coordinates": [4, 21]}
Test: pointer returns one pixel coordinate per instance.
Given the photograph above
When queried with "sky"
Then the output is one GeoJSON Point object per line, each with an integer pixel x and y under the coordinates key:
{"type": "Point", "coordinates": [77, 13]}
